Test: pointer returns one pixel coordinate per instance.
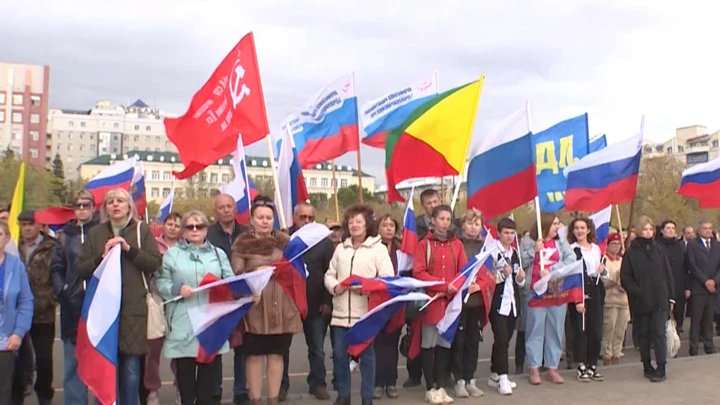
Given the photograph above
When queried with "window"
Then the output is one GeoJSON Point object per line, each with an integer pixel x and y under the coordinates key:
{"type": "Point", "coordinates": [148, 128]}
{"type": "Point", "coordinates": [82, 124]}
{"type": "Point", "coordinates": [167, 144]}
{"type": "Point", "coordinates": [92, 136]}
{"type": "Point", "coordinates": [313, 182]}
{"type": "Point", "coordinates": [203, 177]}
{"type": "Point", "coordinates": [82, 134]}
{"type": "Point", "coordinates": [59, 146]}
{"type": "Point", "coordinates": [155, 175]}
{"type": "Point", "coordinates": [669, 150]}
{"type": "Point", "coordinates": [323, 182]}
{"type": "Point", "coordinates": [154, 192]}
{"type": "Point", "coordinates": [681, 149]}
{"type": "Point", "coordinates": [166, 192]}
{"type": "Point", "coordinates": [715, 144]}
{"type": "Point", "coordinates": [137, 127]}
{"type": "Point", "coordinates": [157, 138]}
{"type": "Point", "coordinates": [35, 136]}
{"type": "Point", "coordinates": [213, 178]}
{"type": "Point", "coordinates": [147, 139]}
{"type": "Point", "coordinates": [2, 97]}
{"type": "Point", "coordinates": [70, 146]}
{"type": "Point", "coordinates": [71, 124]}
{"type": "Point", "coordinates": [343, 183]}
{"type": "Point", "coordinates": [116, 125]}
{"type": "Point", "coordinates": [695, 158]}
{"type": "Point", "coordinates": [17, 99]}
{"type": "Point", "coordinates": [2, 116]}
{"type": "Point", "coordinates": [16, 117]}
{"type": "Point", "coordinates": [333, 182]}
{"type": "Point", "coordinates": [35, 100]}
{"type": "Point", "coordinates": [33, 153]}
{"type": "Point", "coordinates": [167, 176]}
{"type": "Point", "coordinates": [81, 147]}
{"type": "Point", "coordinates": [225, 178]}
{"type": "Point", "coordinates": [136, 138]}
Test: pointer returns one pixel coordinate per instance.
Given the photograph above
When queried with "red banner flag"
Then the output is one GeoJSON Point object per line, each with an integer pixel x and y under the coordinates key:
{"type": "Point", "coordinates": [230, 103]}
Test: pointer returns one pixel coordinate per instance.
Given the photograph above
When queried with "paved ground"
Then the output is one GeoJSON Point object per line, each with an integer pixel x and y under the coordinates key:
{"type": "Point", "coordinates": [624, 382]}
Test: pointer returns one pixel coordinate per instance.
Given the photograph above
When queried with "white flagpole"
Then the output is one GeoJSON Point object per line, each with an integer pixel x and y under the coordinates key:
{"type": "Point", "coordinates": [456, 192]}
{"type": "Point", "coordinates": [537, 197]}
{"type": "Point", "coordinates": [276, 183]}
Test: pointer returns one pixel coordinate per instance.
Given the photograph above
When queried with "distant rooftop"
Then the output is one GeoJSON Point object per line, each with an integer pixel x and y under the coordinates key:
{"type": "Point", "coordinates": [139, 104]}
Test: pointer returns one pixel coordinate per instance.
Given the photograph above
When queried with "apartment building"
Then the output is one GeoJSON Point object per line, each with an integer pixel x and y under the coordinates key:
{"type": "Point", "coordinates": [158, 168]}
{"type": "Point", "coordinates": [691, 145]}
{"type": "Point", "coordinates": [24, 93]}
{"type": "Point", "coordinates": [79, 136]}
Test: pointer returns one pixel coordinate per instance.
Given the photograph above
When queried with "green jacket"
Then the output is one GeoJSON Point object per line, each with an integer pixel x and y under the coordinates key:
{"type": "Point", "coordinates": [132, 334]}
{"type": "Point", "coordinates": [186, 264]}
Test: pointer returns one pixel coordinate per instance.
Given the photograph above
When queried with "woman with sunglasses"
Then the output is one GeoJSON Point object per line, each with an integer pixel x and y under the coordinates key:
{"type": "Point", "coordinates": [271, 322]}
{"type": "Point", "coordinates": [184, 267]}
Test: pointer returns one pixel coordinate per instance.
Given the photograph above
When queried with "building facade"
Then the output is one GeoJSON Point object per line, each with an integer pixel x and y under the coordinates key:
{"type": "Point", "coordinates": [79, 136]}
{"type": "Point", "coordinates": [158, 168]}
{"type": "Point", "coordinates": [691, 145]}
{"type": "Point", "coordinates": [24, 93]}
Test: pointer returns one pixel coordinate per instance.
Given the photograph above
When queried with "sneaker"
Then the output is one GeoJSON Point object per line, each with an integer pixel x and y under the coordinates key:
{"type": "Point", "coordinates": [152, 398]}
{"type": "Point", "coordinates": [432, 397]}
{"type": "Point", "coordinates": [494, 381]}
{"type": "Point", "coordinates": [443, 395]}
{"type": "Point", "coordinates": [392, 392]}
{"type": "Point", "coordinates": [378, 392]}
{"type": "Point", "coordinates": [583, 375]}
{"type": "Point", "coordinates": [178, 400]}
{"type": "Point", "coordinates": [504, 386]}
{"type": "Point", "coordinates": [473, 389]}
{"type": "Point", "coordinates": [460, 390]}
{"type": "Point", "coordinates": [595, 374]}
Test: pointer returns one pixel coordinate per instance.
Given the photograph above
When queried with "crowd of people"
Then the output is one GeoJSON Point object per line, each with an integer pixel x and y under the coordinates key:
{"type": "Point", "coordinates": [655, 275]}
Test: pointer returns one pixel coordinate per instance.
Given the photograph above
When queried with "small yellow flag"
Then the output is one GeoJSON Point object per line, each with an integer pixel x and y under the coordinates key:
{"type": "Point", "coordinates": [17, 205]}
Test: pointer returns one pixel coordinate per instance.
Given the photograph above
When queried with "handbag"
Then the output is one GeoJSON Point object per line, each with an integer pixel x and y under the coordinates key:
{"type": "Point", "coordinates": [156, 321]}
{"type": "Point", "coordinates": [672, 337]}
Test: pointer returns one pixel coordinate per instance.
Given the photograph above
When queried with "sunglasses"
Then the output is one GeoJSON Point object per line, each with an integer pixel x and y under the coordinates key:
{"type": "Point", "coordinates": [195, 227]}
{"type": "Point", "coordinates": [82, 205]}
{"type": "Point", "coordinates": [269, 204]}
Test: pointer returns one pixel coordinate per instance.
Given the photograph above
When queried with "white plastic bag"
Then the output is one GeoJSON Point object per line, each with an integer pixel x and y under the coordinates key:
{"type": "Point", "coordinates": [673, 339]}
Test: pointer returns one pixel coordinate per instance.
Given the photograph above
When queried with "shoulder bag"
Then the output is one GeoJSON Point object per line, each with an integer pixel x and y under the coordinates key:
{"type": "Point", "coordinates": [156, 321]}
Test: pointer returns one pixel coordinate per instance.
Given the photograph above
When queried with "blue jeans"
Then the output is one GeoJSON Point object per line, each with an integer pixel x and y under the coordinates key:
{"type": "Point", "coordinates": [128, 380]}
{"type": "Point", "coordinates": [315, 328]}
{"type": "Point", "coordinates": [544, 336]}
{"type": "Point", "coordinates": [341, 366]}
{"type": "Point", "coordinates": [74, 390]}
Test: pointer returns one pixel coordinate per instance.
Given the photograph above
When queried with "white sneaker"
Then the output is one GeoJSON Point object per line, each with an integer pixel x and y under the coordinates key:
{"type": "Point", "coordinates": [178, 400]}
{"type": "Point", "coordinates": [153, 398]}
{"type": "Point", "coordinates": [504, 387]}
{"type": "Point", "coordinates": [473, 389]}
{"type": "Point", "coordinates": [460, 390]}
{"type": "Point", "coordinates": [446, 399]}
{"type": "Point", "coordinates": [432, 397]}
{"type": "Point", "coordinates": [494, 381]}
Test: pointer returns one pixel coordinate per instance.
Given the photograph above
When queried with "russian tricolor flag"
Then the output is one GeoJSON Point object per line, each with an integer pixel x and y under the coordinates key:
{"type": "Point", "coordinates": [241, 188]}
{"type": "Point", "coordinates": [701, 181]}
{"type": "Point", "coordinates": [501, 172]}
{"type": "Point", "coordinates": [137, 189]}
{"type": "Point", "coordinates": [290, 178]}
{"type": "Point", "coordinates": [97, 337]}
{"type": "Point", "coordinates": [479, 266]}
{"type": "Point", "coordinates": [166, 206]}
{"type": "Point", "coordinates": [604, 178]}
{"type": "Point", "coordinates": [119, 175]}
{"type": "Point", "coordinates": [389, 111]}
{"type": "Point", "coordinates": [55, 217]}
{"type": "Point", "coordinates": [561, 286]}
{"type": "Point", "coordinates": [291, 273]}
{"type": "Point", "coordinates": [601, 219]}
{"type": "Point", "coordinates": [327, 126]}
{"type": "Point", "coordinates": [214, 322]}
{"type": "Point", "coordinates": [409, 241]}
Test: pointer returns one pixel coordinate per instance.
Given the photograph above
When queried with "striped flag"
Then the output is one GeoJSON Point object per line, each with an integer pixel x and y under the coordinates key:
{"type": "Point", "coordinates": [601, 219]}
{"type": "Point", "coordinates": [167, 206]}
{"type": "Point", "coordinates": [119, 175]}
{"type": "Point", "coordinates": [409, 239]}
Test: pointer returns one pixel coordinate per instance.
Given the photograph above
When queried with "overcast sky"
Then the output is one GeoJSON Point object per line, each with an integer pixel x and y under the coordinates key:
{"type": "Point", "coordinates": [614, 59]}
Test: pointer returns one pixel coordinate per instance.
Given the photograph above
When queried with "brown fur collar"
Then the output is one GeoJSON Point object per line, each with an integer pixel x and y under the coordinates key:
{"type": "Point", "coordinates": [249, 244]}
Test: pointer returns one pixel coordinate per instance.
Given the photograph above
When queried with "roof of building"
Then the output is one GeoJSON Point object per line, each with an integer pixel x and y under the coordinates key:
{"type": "Point", "coordinates": [172, 157]}
{"type": "Point", "coordinates": [139, 104]}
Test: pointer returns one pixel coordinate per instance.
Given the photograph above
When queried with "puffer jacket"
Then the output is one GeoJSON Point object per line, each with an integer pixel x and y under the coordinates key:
{"type": "Point", "coordinates": [370, 259]}
{"type": "Point", "coordinates": [38, 271]}
{"type": "Point", "coordinates": [67, 284]}
{"type": "Point", "coordinates": [441, 263]}
{"type": "Point", "coordinates": [187, 264]}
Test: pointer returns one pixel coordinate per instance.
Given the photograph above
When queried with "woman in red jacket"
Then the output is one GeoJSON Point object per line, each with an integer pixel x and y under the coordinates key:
{"type": "Point", "coordinates": [439, 257]}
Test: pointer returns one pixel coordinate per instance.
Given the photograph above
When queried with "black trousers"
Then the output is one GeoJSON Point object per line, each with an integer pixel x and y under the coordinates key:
{"type": "Point", "coordinates": [503, 328]}
{"type": "Point", "coordinates": [435, 364]}
{"type": "Point", "coordinates": [196, 381]}
{"type": "Point", "coordinates": [386, 359]}
{"type": "Point", "coordinates": [651, 332]}
{"type": "Point", "coordinates": [569, 360]}
{"type": "Point", "coordinates": [519, 349]}
{"type": "Point", "coordinates": [701, 325]}
{"type": "Point", "coordinates": [23, 367]}
{"type": "Point", "coordinates": [414, 366]}
{"type": "Point", "coordinates": [588, 343]}
{"type": "Point", "coordinates": [7, 369]}
{"type": "Point", "coordinates": [679, 310]}
{"type": "Point", "coordinates": [43, 337]}
{"type": "Point", "coordinates": [466, 343]}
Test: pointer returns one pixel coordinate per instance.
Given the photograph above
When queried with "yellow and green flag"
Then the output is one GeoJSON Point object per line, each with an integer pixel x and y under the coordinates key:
{"type": "Point", "coordinates": [434, 140]}
{"type": "Point", "coordinates": [17, 205]}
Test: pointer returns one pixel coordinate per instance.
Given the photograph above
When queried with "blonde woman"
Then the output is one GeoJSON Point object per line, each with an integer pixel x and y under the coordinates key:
{"type": "Point", "coordinates": [140, 258]}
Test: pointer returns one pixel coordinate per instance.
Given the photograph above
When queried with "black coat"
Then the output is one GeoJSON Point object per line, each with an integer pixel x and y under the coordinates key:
{"type": "Point", "coordinates": [675, 251]}
{"type": "Point", "coordinates": [703, 265]}
{"type": "Point", "coordinates": [646, 276]}
{"type": "Point", "coordinates": [217, 236]}
{"type": "Point", "coordinates": [317, 262]}
{"type": "Point", "coordinates": [68, 285]}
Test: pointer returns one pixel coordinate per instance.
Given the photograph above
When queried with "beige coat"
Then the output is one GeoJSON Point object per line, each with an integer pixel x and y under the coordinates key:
{"type": "Point", "coordinates": [615, 296]}
{"type": "Point", "coordinates": [276, 313]}
{"type": "Point", "coordinates": [371, 259]}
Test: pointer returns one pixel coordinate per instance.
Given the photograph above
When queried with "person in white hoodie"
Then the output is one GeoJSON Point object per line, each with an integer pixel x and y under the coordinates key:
{"type": "Point", "coordinates": [362, 254]}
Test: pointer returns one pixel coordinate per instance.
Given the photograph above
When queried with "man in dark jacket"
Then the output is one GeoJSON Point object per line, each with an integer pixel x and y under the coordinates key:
{"type": "Point", "coordinates": [36, 251]}
{"type": "Point", "coordinates": [222, 234]}
{"type": "Point", "coordinates": [703, 255]}
{"type": "Point", "coordinates": [69, 289]}
{"type": "Point", "coordinates": [319, 300]}
{"type": "Point", "coordinates": [675, 252]}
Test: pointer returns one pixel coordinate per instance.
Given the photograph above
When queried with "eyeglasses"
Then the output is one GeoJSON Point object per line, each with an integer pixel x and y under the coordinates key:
{"type": "Point", "coordinates": [261, 203]}
{"type": "Point", "coordinates": [195, 227]}
{"type": "Point", "coordinates": [82, 205]}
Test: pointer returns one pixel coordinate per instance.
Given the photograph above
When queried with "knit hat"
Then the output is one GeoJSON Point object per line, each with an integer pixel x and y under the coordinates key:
{"type": "Point", "coordinates": [614, 237]}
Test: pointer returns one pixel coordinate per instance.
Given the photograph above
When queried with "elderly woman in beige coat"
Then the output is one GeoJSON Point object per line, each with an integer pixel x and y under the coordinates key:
{"type": "Point", "coordinates": [271, 322]}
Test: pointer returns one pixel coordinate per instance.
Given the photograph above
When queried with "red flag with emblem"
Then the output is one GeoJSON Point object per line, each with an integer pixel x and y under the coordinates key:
{"type": "Point", "coordinates": [230, 103]}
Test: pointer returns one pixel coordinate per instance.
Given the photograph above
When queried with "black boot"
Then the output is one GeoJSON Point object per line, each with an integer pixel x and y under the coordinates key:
{"type": "Point", "coordinates": [659, 375]}
{"type": "Point", "coordinates": [648, 369]}
{"type": "Point", "coordinates": [342, 401]}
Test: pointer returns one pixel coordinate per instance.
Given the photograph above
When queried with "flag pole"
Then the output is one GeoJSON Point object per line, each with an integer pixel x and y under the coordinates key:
{"type": "Point", "coordinates": [442, 188]}
{"type": "Point", "coordinates": [359, 158]}
{"type": "Point", "coordinates": [334, 185]}
{"type": "Point", "coordinates": [276, 183]}
{"type": "Point", "coordinates": [456, 192]}
{"type": "Point", "coordinates": [619, 218]}
{"type": "Point", "coordinates": [246, 179]}
{"type": "Point", "coordinates": [537, 197]}
{"type": "Point", "coordinates": [147, 217]}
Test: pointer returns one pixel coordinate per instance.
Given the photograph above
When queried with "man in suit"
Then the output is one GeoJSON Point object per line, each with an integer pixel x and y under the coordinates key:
{"type": "Point", "coordinates": [703, 255]}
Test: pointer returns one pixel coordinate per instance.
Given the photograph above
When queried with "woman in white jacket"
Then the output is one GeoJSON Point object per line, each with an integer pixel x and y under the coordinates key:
{"type": "Point", "coordinates": [362, 254]}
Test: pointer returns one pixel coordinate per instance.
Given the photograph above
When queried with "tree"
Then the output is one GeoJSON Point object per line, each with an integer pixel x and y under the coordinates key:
{"type": "Point", "coordinates": [58, 187]}
{"type": "Point", "coordinates": [348, 196]}
{"type": "Point", "coordinates": [319, 200]}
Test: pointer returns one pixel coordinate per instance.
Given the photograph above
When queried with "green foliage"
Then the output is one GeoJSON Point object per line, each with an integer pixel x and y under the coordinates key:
{"type": "Point", "coordinates": [348, 196]}
{"type": "Point", "coordinates": [59, 191]}
{"type": "Point", "coordinates": [319, 200]}
{"type": "Point", "coordinates": [36, 183]}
